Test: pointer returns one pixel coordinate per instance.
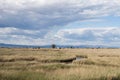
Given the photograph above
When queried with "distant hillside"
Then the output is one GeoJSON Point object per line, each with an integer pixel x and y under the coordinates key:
{"type": "Point", "coordinates": [22, 46]}
{"type": "Point", "coordinates": [58, 46]}
{"type": "Point", "coordinates": [11, 45]}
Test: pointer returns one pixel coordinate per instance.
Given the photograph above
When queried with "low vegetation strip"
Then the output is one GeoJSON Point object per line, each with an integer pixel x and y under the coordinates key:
{"type": "Point", "coordinates": [67, 60]}
{"type": "Point", "coordinates": [107, 78]}
{"type": "Point", "coordinates": [17, 59]}
{"type": "Point", "coordinates": [109, 55]}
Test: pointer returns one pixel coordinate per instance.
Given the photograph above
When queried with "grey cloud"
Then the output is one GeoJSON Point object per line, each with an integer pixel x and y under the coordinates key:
{"type": "Point", "coordinates": [12, 32]}
{"type": "Point", "coordinates": [83, 35]}
{"type": "Point", "coordinates": [34, 20]}
{"type": "Point", "coordinates": [44, 14]}
{"type": "Point", "coordinates": [90, 36]}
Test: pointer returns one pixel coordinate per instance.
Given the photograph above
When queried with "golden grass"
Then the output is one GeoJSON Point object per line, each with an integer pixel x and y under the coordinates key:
{"type": "Point", "coordinates": [41, 64]}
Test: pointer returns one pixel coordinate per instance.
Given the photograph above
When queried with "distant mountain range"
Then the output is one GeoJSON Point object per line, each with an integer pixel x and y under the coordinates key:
{"type": "Point", "coordinates": [49, 46]}
{"type": "Point", "coordinates": [21, 46]}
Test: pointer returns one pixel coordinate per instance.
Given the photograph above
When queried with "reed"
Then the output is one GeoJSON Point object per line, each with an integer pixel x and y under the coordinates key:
{"type": "Point", "coordinates": [49, 64]}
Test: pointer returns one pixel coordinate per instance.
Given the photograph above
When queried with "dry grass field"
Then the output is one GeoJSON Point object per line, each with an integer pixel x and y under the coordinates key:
{"type": "Point", "coordinates": [48, 64]}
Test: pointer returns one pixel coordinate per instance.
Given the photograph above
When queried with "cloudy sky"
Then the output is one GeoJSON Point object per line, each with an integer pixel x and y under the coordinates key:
{"type": "Point", "coordinates": [69, 22]}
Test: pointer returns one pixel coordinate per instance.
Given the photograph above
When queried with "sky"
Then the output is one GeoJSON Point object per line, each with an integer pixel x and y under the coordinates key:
{"type": "Point", "coordinates": [62, 22]}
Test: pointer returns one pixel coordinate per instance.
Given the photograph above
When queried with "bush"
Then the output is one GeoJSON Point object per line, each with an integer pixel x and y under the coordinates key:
{"type": "Point", "coordinates": [53, 46]}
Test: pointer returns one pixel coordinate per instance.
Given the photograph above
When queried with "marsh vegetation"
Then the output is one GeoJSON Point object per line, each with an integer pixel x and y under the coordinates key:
{"type": "Point", "coordinates": [50, 64]}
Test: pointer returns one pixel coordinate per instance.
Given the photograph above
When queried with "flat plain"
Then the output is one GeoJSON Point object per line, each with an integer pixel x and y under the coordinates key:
{"type": "Point", "coordinates": [55, 64]}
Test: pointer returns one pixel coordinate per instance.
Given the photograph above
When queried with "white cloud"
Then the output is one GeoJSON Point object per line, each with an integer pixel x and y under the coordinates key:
{"type": "Point", "coordinates": [10, 30]}
{"type": "Point", "coordinates": [33, 21]}
{"type": "Point", "coordinates": [44, 14]}
{"type": "Point", "coordinates": [78, 36]}
{"type": "Point", "coordinates": [106, 36]}
{"type": "Point", "coordinates": [22, 36]}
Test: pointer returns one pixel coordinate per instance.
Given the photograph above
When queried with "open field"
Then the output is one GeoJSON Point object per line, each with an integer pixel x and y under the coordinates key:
{"type": "Point", "coordinates": [50, 64]}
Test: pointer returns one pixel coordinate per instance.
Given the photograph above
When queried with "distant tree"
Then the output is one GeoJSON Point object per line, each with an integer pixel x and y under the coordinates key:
{"type": "Point", "coordinates": [59, 47]}
{"type": "Point", "coordinates": [53, 46]}
{"type": "Point", "coordinates": [71, 47]}
{"type": "Point", "coordinates": [38, 47]}
{"type": "Point", "coordinates": [98, 47]}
